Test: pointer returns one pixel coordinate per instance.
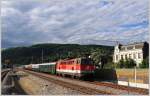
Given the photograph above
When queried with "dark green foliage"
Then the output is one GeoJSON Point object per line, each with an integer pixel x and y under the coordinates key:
{"type": "Point", "coordinates": [121, 63]}
{"type": "Point", "coordinates": [54, 52]}
{"type": "Point", "coordinates": [145, 63]}
{"type": "Point", "coordinates": [108, 65]}
{"type": "Point", "coordinates": [127, 63]}
{"type": "Point", "coordinates": [101, 55]}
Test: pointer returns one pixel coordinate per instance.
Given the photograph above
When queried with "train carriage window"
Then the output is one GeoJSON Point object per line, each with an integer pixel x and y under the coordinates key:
{"type": "Point", "coordinates": [77, 61]}
{"type": "Point", "coordinates": [69, 62]}
{"type": "Point", "coordinates": [72, 62]}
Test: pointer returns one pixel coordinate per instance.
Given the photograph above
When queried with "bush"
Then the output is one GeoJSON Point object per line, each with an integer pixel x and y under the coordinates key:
{"type": "Point", "coordinates": [122, 63]}
{"type": "Point", "coordinates": [109, 65]}
{"type": "Point", "coordinates": [127, 63]}
{"type": "Point", "coordinates": [145, 63]}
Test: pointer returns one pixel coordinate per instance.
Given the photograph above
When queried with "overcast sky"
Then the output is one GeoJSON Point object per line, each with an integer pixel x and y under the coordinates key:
{"type": "Point", "coordinates": [27, 22]}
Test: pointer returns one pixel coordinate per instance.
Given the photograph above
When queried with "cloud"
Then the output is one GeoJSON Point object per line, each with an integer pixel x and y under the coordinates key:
{"type": "Point", "coordinates": [26, 22]}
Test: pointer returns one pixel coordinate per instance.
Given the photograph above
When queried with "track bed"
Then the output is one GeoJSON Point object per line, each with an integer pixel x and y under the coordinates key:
{"type": "Point", "coordinates": [91, 88]}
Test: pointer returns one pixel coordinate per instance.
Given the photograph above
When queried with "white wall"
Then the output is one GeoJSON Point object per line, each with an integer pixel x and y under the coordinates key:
{"type": "Point", "coordinates": [134, 51]}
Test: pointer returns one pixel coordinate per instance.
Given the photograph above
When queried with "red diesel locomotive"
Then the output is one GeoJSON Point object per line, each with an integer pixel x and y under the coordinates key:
{"type": "Point", "coordinates": [78, 67]}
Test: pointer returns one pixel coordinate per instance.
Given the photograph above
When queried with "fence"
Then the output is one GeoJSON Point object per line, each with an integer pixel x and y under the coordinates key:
{"type": "Point", "coordinates": [130, 77]}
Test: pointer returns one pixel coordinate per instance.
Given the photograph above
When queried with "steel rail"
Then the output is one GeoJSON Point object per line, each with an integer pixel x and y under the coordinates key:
{"type": "Point", "coordinates": [82, 89]}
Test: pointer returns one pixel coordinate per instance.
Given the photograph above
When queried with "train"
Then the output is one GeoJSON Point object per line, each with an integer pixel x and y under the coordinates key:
{"type": "Point", "coordinates": [76, 67]}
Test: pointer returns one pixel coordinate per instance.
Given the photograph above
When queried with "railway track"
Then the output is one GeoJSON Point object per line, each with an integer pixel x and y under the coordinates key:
{"type": "Point", "coordinates": [94, 91]}
{"type": "Point", "coordinates": [3, 74]}
{"type": "Point", "coordinates": [116, 86]}
{"type": "Point", "coordinates": [82, 89]}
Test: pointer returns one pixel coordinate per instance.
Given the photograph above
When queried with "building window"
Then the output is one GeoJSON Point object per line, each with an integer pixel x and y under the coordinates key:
{"type": "Point", "coordinates": [122, 48]}
{"type": "Point", "coordinates": [139, 55]}
{"type": "Point", "coordinates": [116, 57]}
{"type": "Point", "coordinates": [126, 56]}
{"type": "Point", "coordinates": [121, 56]}
{"type": "Point", "coordinates": [129, 55]}
{"type": "Point", "coordinates": [138, 46]}
{"type": "Point", "coordinates": [130, 47]}
{"type": "Point", "coordinates": [134, 56]}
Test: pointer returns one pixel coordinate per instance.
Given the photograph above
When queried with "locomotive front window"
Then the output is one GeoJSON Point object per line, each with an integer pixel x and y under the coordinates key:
{"type": "Point", "coordinates": [86, 61]}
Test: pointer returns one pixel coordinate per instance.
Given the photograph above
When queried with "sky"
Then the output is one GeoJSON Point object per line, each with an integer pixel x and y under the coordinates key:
{"type": "Point", "coordinates": [102, 22]}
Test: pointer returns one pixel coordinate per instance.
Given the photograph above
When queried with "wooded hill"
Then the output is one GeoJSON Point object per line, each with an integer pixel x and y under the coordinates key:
{"type": "Point", "coordinates": [54, 52]}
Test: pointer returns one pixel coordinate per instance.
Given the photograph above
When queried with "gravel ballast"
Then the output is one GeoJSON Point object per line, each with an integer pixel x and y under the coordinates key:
{"type": "Point", "coordinates": [40, 86]}
{"type": "Point", "coordinates": [37, 86]}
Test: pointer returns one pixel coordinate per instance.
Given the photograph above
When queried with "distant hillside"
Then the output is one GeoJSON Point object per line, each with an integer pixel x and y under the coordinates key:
{"type": "Point", "coordinates": [53, 52]}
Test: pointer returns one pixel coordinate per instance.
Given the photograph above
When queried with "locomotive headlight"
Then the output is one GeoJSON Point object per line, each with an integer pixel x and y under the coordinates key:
{"type": "Point", "coordinates": [89, 56]}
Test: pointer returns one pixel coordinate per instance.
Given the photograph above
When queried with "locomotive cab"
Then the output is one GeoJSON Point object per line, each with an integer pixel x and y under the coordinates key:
{"type": "Point", "coordinates": [87, 67]}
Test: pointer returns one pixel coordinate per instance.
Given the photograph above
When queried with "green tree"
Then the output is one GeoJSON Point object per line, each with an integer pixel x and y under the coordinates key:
{"type": "Point", "coordinates": [95, 55]}
{"type": "Point", "coordinates": [100, 56]}
{"type": "Point", "coordinates": [129, 63]}
{"type": "Point", "coordinates": [145, 63]}
{"type": "Point", "coordinates": [121, 63]}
